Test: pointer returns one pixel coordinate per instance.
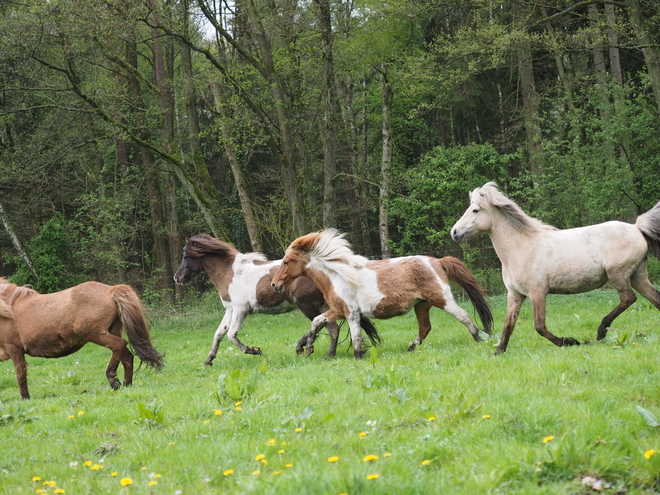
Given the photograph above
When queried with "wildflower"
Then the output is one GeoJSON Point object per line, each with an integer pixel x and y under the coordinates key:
{"type": "Point", "coordinates": [143, 468]}
{"type": "Point", "coordinates": [271, 442]}
{"type": "Point", "coordinates": [432, 418]}
{"type": "Point", "coordinates": [238, 403]}
{"type": "Point", "coordinates": [71, 416]}
{"type": "Point", "coordinates": [125, 481]}
{"type": "Point", "coordinates": [281, 451]}
{"type": "Point", "coordinates": [152, 483]}
{"type": "Point", "coordinates": [217, 412]}
{"type": "Point", "coordinates": [373, 476]}
{"type": "Point", "coordinates": [363, 434]}
{"type": "Point", "coordinates": [256, 472]}
{"type": "Point", "coordinates": [113, 474]}
{"type": "Point", "coordinates": [298, 430]}
{"type": "Point", "coordinates": [155, 475]}
{"type": "Point", "coordinates": [486, 416]}
{"type": "Point", "coordinates": [650, 453]}
{"type": "Point", "coordinates": [264, 462]}
{"type": "Point", "coordinates": [96, 467]}
{"type": "Point", "coordinates": [284, 444]}
{"type": "Point", "coordinates": [80, 413]}
{"type": "Point", "coordinates": [548, 438]}
{"type": "Point", "coordinates": [36, 478]}
{"type": "Point", "coordinates": [288, 465]}
{"type": "Point", "coordinates": [172, 443]}
{"type": "Point", "coordinates": [87, 463]}
{"type": "Point", "coordinates": [259, 457]}
{"type": "Point", "coordinates": [370, 458]}
{"type": "Point", "coordinates": [228, 472]}
{"type": "Point", "coordinates": [426, 462]}
{"type": "Point", "coordinates": [59, 490]}
{"type": "Point", "coordinates": [275, 473]}
{"type": "Point", "coordinates": [239, 408]}
{"type": "Point", "coordinates": [207, 421]}
{"type": "Point", "coordinates": [334, 458]}
{"type": "Point", "coordinates": [49, 483]}
{"type": "Point", "coordinates": [387, 454]}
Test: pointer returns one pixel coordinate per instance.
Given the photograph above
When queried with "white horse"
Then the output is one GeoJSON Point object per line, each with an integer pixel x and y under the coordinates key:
{"type": "Point", "coordinates": [355, 287]}
{"type": "Point", "coordinates": [538, 259]}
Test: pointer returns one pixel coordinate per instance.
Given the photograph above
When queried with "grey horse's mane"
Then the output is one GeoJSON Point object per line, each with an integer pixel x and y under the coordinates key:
{"type": "Point", "coordinates": [332, 252]}
{"type": "Point", "coordinates": [489, 194]}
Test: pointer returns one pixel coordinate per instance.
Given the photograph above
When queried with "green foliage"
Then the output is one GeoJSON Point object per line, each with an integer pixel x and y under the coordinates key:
{"type": "Point", "coordinates": [150, 416]}
{"type": "Point", "coordinates": [434, 194]}
{"type": "Point", "coordinates": [239, 384]}
{"type": "Point", "coordinates": [16, 413]}
{"type": "Point", "coordinates": [54, 258]}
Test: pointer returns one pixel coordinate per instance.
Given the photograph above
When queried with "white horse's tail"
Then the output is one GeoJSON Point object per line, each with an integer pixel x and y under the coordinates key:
{"type": "Point", "coordinates": [649, 224]}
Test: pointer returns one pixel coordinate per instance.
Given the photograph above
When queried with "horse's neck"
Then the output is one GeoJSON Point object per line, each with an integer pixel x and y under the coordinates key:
{"type": "Point", "coordinates": [508, 241]}
{"type": "Point", "coordinates": [219, 269]}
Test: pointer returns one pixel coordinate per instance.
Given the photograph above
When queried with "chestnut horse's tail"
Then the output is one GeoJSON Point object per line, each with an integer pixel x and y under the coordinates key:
{"type": "Point", "coordinates": [135, 323]}
{"type": "Point", "coordinates": [459, 273]}
{"type": "Point", "coordinates": [649, 224]}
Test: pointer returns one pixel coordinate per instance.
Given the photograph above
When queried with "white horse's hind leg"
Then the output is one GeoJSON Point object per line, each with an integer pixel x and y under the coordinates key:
{"type": "Point", "coordinates": [356, 334]}
{"type": "Point", "coordinates": [219, 334]}
{"type": "Point", "coordinates": [538, 301]}
{"type": "Point", "coordinates": [461, 315]}
{"type": "Point", "coordinates": [627, 297]}
{"type": "Point", "coordinates": [641, 283]}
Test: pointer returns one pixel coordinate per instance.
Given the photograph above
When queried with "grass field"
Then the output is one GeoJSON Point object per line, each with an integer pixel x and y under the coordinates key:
{"type": "Point", "coordinates": [448, 418]}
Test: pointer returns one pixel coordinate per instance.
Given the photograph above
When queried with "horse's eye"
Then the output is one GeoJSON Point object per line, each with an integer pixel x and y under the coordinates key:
{"type": "Point", "coordinates": [285, 262]}
{"type": "Point", "coordinates": [476, 210]}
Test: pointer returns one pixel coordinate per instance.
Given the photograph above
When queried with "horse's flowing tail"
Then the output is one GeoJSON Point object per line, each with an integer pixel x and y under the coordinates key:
{"type": "Point", "coordinates": [649, 224]}
{"type": "Point", "coordinates": [135, 323]}
{"type": "Point", "coordinates": [370, 330]}
{"type": "Point", "coordinates": [459, 273]}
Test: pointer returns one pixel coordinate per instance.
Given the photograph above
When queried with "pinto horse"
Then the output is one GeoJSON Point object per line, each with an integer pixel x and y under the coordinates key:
{"type": "Point", "coordinates": [59, 324]}
{"type": "Point", "coordinates": [243, 283]}
{"type": "Point", "coordinates": [538, 259]}
{"type": "Point", "coordinates": [355, 287]}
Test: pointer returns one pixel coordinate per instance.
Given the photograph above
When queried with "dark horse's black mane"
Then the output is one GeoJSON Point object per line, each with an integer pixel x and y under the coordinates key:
{"type": "Point", "coordinates": [203, 244]}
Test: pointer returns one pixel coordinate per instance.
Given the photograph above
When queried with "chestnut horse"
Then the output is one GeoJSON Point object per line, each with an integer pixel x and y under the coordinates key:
{"type": "Point", "coordinates": [59, 324]}
{"type": "Point", "coordinates": [538, 259]}
{"type": "Point", "coordinates": [243, 283]}
{"type": "Point", "coordinates": [354, 286]}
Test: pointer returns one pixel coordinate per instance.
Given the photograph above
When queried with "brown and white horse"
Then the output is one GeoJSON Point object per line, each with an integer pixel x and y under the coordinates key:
{"type": "Point", "coordinates": [538, 259]}
{"type": "Point", "coordinates": [354, 286]}
{"type": "Point", "coordinates": [243, 283]}
{"type": "Point", "coordinates": [59, 324]}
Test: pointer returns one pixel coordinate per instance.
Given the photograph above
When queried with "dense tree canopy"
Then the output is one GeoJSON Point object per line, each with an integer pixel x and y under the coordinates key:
{"type": "Point", "coordinates": [127, 126]}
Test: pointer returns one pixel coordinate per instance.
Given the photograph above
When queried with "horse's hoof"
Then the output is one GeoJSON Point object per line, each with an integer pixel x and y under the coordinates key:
{"type": "Point", "coordinates": [208, 362]}
{"type": "Point", "coordinates": [310, 350]}
{"type": "Point", "coordinates": [412, 346]}
{"type": "Point", "coordinates": [255, 351]}
{"type": "Point", "coordinates": [300, 351]}
{"type": "Point", "coordinates": [566, 341]}
{"type": "Point", "coordinates": [115, 384]}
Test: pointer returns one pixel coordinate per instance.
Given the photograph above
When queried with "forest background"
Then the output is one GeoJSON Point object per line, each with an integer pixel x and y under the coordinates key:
{"type": "Point", "coordinates": [126, 127]}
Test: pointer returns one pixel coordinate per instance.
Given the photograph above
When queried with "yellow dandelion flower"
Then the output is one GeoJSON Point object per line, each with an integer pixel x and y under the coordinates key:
{"type": "Point", "coordinates": [87, 463]}
{"type": "Point", "coordinates": [256, 472]}
{"type": "Point", "coordinates": [432, 418]}
{"type": "Point", "coordinates": [548, 439]}
{"type": "Point", "coordinates": [298, 430]}
{"type": "Point", "coordinates": [39, 490]}
{"type": "Point", "coordinates": [71, 416]}
{"type": "Point", "coordinates": [96, 467]}
{"type": "Point", "coordinates": [49, 483]}
{"type": "Point", "coordinates": [172, 443]}
{"type": "Point", "coordinates": [334, 458]}
{"type": "Point", "coordinates": [373, 476]}
{"type": "Point", "coordinates": [218, 412]}
{"type": "Point", "coordinates": [264, 462]}
{"type": "Point", "coordinates": [239, 408]}
{"type": "Point", "coordinates": [370, 458]}
{"type": "Point", "coordinates": [143, 468]}
{"type": "Point", "coordinates": [281, 451]}
{"type": "Point", "coordinates": [36, 478]}
{"type": "Point", "coordinates": [387, 454]}
{"type": "Point", "coordinates": [486, 416]}
{"type": "Point", "coordinates": [259, 457]}
{"type": "Point", "coordinates": [207, 421]}
{"type": "Point", "coordinates": [157, 475]}
{"type": "Point", "coordinates": [113, 474]}
{"type": "Point", "coordinates": [228, 472]}
{"type": "Point", "coordinates": [426, 462]}
{"type": "Point", "coordinates": [650, 453]}
{"type": "Point", "coordinates": [288, 465]}
{"type": "Point", "coordinates": [152, 483]}
{"type": "Point", "coordinates": [125, 481]}
{"type": "Point", "coordinates": [271, 442]}
{"type": "Point", "coordinates": [363, 434]}
{"type": "Point", "coordinates": [80, 413]}
{"type": "Point", "coordinates": [275, 473]}
{"type": "Point", "coordinates": [59, 490]}
{"type": "Point", "coordinates": [284, 444]}
{"type": "Point", "coordinates": [238, 403]}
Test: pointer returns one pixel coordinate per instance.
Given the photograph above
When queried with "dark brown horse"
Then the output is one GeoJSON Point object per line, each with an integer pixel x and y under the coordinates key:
{"type": "Point", "coordinates": [243, 283]}
{"type": "Point", "coordinates": [59, 324]}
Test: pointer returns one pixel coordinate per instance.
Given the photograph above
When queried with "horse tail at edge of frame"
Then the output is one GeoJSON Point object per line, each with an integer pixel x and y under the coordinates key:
{"type": "Point", "coordinates": [370, 330]}
{"type": "Point", "coordinates": [135, 323]}
{"type": "Point", "coordinates": [649, 224]}
{"type": "Point", "coordinates": [459, 273]}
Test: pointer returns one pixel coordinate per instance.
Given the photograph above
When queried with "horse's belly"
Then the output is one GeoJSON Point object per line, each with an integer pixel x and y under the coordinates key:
{"type": "Point", "coordinates": [571, 284]}
{"type": "Point", "coordinates": [284, 307]}
{"type": "Point", "coordinates": [52, 345]}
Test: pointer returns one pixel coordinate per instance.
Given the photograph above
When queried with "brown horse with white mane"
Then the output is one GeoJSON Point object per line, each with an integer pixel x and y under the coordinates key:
{"type": "Point", "coordinates": [539, 259]}
{"type": "Point", "coordinates": [243, 283]}
{"type": "Point", "coordinates": [355, 287]}
{"type": "Point", "coordinates": [59, 324]}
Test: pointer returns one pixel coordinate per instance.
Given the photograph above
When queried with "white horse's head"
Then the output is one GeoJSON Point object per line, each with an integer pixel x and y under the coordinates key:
{"type": "Point", "coordinates": [477, 218]}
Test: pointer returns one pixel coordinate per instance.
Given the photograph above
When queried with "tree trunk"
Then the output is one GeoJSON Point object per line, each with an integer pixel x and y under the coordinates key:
{"type": "Point", "coordinates": [18, 243]}
{"type": "Point", "coordinates": [241, 185]}
{"type": "Point", "coordinates": [649, 49]}
{"type": "Point", "coordinates": [613, 37]}
{"type": "Point", "coordinates": [530, 112]}
{"type": "Point", "coordinates": [386, 161]}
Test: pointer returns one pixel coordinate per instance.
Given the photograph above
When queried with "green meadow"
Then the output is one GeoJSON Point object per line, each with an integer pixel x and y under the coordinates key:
{"type": "Point", "coordinates": [448, 418]}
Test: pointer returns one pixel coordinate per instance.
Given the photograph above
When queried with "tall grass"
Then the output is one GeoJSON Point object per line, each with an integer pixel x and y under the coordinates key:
{"type": "Point", "coordinates": [447, 418]}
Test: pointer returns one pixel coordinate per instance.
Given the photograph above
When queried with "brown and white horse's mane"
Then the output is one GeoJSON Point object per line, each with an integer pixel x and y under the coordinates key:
{"type": "Point", "coordinates": [489, 194]}
{"type": "Point", "coordinates": [203, 244]}
{"type": "Point", "coordinates": [330, 251]}
{"type": "Point", "coordinates": [9, 293]}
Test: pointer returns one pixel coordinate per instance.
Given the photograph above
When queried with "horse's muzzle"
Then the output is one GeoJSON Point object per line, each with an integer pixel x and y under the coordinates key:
{"type": "Point", "coordinates": [458, 237]}
{"type": "Point", "coordinates": [277, 287]}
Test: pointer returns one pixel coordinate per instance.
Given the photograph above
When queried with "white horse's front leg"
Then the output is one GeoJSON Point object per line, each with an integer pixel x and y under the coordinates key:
{"type": "Point", "coordinates": [219, 334]}
{"type": "Point", "coordinates": [317, 325]}
{"type": "Point", "coordinates": [234, 327]}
